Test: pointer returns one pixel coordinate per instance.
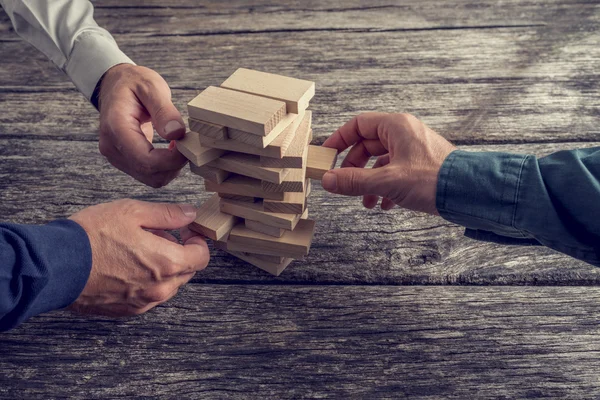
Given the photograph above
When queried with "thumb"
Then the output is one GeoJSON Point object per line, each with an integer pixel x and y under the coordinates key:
{"type": "Point", "coordinates": [164, 215]}
{"type": "Point", "coordinates": [355, 181]}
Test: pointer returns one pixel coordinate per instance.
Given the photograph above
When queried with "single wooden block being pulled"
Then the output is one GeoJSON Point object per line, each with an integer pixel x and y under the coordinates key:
{"type": "Point", "coordinates": [255, 211]}
{"type": "Point", "coordinates": [207, 129]}
{"type": "Point", "coordinates": [293, 244]}
{"type": "Point", "coordinates": [249, 165]}
{"type": "Point", "coordinates": [242, 186]}
{"type": "Point", "coordinates": [296, 153]}
{"type": "Point", "coordinates": [320, 160]}
{"type": "Point", "coordinates": [191, 148]}
{"type": "Point", "coordinates": [289, 120]}
{"type": "Point", "coordinates": [238, 110]}
{"type": "Point", "coordinates": [292, 203]}
{"type": "Point", "coordinates": [211, 222]}
{"type": "Point", "coordinates": [296, 93]}
{"type": "Point", "coordinates": [215, 175]}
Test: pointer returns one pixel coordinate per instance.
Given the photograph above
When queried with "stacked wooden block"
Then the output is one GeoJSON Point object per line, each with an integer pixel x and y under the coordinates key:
{"type": "Point", "coordinates": [250, 141]}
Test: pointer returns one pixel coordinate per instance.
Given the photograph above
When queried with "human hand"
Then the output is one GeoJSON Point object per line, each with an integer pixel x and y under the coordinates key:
{"type": "Point", "coordinates": [136, 265]}
{"type": "Point", "coordinates": [410, 156]}
{"type": "Point", "coordinates": [132, 99]}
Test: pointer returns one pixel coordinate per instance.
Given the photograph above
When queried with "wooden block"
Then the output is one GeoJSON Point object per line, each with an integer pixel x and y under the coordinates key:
{"type": "Point", "coordinates": [296, 93]}
{"type": "Point", "coordinates": [215, 175]}
{"type": "Point", "coordinates": [191, 148]}
{"type": "Point", "coordinates": [207, 129]}
{"type": "Point", "coordinates": [294, 181]}
{"type": "Point", "coordinates": [292, 203]}
{"type": "Point", "coordinates": [304, 214]}
{"type": "Point", "coordinates": [243, 111]}
{"type": "Point", "coordinates": [293, 244]}
{"type": "Point", "coordinates": [257, 226]}
{"type": "Point", "coordinates": [222, 245]}
{"type": "Point", "coordinates": [243, 186]}
{"type": "Point", "coordinates": [320, 160]}
{"type": "Point", "coordinates": [264, 141]}
{"type": "Point", "coordinates": [276, 149]}
{"type": "Point", "coordinates": [238, 197]}
{"type": "Point", "coordinates": [274, 268]}
{"type": "Point", "coordinates": [294, 157]}
{"type": "Point", "coordinates": [249, 165]}
{"type": "Point", "coordinates": [256, 212]}
{"type": "Point", "coordinates": [211, 222]}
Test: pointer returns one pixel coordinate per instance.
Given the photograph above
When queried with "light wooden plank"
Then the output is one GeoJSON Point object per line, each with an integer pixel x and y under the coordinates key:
{"type": "Point", "coordinates": [320, 160]}
{"type": "Point", "coordinates": [246, 112]}
{"type": "Point", "coordinates": [222, 245]}
{"type": "Point", "coordinates": [266, 265]}
{"type": "Point", "coordinates": [193, 150]}
{"type": "Point", "coordinates": [296, 93]}
{"type": "Point", "coordinates": [249, 165]}
{"type": "Point", "coordinates": [257, 226]}
{"type": "Point", "coordinates": [294, 181]}
{"type": "Point", "coordinates": [238, 197]}
{"type": "Point", "coordinates": [255, 211]}
{"type": "Point", "coordinates": [204, 128]}
{"type": "Point", "coordinates": [293, 244]}
{"type": "Point", "coordinates": [292, 203]}
{"type": "Point", "coordinates": [215, 175]}
{"type": "Point", "coordinates": [295, 156]}
{"type": "Point", "coordinates": [211, 222]}
{"type": "Point", "coordinates": [243, 186]}
{"type": "Point", "coordinates": [276, 149]}
{"type": "Point", "coordinates": [288, 120]}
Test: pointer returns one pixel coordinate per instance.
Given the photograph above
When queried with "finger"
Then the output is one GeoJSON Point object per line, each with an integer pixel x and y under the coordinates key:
{"type": "Point", "coordinates": [357, 181]}
{"type": "Point", "coordinates": [155, 95]}
{"type": "Point", "coordinates": [387, 204]}
{"type": "Point", "coordinates": [362, 127]}
{"type": "Point", "coordinates": [360, 154]}
{"type": "Point", "coordinates": [162, 215]}
{"type": "Point", "coordinates": [186, 233]}
{"type": "Point", "coordinates": [370, 200]}
{"type": "Point", "coordinates": [164, 235]}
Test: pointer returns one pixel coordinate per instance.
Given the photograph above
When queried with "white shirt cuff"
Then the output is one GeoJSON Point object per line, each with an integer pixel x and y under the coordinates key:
{"type": "Point", "coordinates": [93, 54]}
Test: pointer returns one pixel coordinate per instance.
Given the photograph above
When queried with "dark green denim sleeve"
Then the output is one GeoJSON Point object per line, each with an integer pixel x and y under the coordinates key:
{"type": "Point", "coordinates": [513, 198]}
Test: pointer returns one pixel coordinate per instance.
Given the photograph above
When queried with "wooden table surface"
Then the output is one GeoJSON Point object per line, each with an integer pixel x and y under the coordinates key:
{"type": "Point", "coordinates": [388, 304]}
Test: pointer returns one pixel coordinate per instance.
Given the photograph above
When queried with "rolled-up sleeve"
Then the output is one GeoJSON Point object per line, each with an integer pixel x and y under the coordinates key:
{"type": "Point", "coordinates": [65, 31]}
{"type": "Point", "coordinates": [514, 198]}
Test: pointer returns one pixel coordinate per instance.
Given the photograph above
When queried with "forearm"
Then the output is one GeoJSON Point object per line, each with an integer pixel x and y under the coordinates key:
{"type": "Point", "coordinates": [42, 268]}
{"type": "Point", "coordinates": [553, 200]}
{"type": "Point", "coordinates": [65, 31]}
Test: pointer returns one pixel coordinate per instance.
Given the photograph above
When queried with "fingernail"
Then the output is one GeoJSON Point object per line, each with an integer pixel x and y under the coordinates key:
{"type": "Point", "coordinates": [329, 182]}
{"type": "Point", "coordinates": [172, 127]}
{"type": "Point", "coordinates": [171, 145]}
{"type": "Point", "coordinates": [188, 210]}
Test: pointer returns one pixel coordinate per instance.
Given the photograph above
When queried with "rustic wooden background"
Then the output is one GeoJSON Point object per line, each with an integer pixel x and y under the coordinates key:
{"type": "Point", "coordinates": [387, 304]}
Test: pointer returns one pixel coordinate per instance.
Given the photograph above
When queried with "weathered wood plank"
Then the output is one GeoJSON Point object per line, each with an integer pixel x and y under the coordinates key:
{"type": "Point", "coordinates": [271, 341]}
{"type": "Point", "coordinates": [42, 180]}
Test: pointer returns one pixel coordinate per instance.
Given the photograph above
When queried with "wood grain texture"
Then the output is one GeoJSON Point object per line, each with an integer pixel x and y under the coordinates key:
{"type": "Point", "coordinates": [238, 197]}
{"type": "Point", "coordinates": [256, 212]}
{"type": "Point", "coordinates": [319, 160]}
{"type": "Point", "coordinates": [295, 93]}
{"type": "Point", "coordinates": [292, 203]}
{"type": "Point", "coordinates": [275, 341]}
{"type": "Point", "coordinates": [212, 223]}
{"type": "Point", "coordinates": [213, 174]}
{"type": "Point", "coordinates": [294, 181]}
{"type": "Point", "coordinates": [193, 150]}
{"type": "Point", "coordinates": [351, 244]}
{"type": "Point", "coordinates": [242, 186]}
{"type": "Point", "coordinates": [249, 165]}
{"type": "Point", "coordinates": [290, 120]}
{"type": "Point", "coordinates": [204, 128]}
{"type": "Point", "coordinates": [246, 112]}
{"type": "Point", "coordinates": [295, 155]}
{"type": "Point", "coordinates": [293, 243]}
{"type": "Point", "coordinates": [257, 226]}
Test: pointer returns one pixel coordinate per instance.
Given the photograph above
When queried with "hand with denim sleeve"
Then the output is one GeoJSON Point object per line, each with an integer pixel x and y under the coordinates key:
{"type": "Point", "coordinates": [409, 157]}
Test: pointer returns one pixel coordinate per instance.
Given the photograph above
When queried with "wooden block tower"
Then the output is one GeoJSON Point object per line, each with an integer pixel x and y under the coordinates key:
{"type": "Point", "coordinates": [250, 141]}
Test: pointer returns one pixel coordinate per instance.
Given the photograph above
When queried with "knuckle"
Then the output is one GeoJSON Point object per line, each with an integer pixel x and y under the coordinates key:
{"type": "Point", "coordinates": [158, 294]}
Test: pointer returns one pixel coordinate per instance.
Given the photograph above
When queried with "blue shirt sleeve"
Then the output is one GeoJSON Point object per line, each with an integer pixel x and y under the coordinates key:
{"type": "Point", "coordinates": [513, 198]}
{"type": "Point", "coordinates": [42, 268]}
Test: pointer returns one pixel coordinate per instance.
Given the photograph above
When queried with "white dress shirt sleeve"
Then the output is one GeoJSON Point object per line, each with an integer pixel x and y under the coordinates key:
{"type": "Point", "coordinates": [65, 31]}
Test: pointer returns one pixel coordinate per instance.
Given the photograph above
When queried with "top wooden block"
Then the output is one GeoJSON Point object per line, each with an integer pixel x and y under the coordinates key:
{"type": "Point", "coordinates": [243, 111]}
{"type": "Point", "coordinates": [296, 93]}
